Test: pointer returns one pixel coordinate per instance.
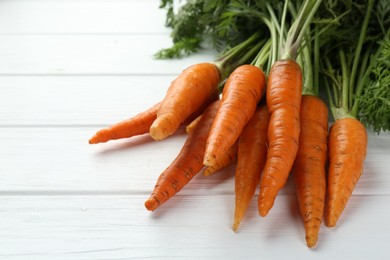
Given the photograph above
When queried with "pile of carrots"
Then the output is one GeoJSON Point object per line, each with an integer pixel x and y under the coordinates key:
{"type": "Point", "coordinates": [263, 138]}
{"type": "Point", "coordinates": [268, 124]}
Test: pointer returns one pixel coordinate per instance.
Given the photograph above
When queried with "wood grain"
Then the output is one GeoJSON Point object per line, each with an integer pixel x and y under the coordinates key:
{"type": "Point", "coordinates": [71, 67]}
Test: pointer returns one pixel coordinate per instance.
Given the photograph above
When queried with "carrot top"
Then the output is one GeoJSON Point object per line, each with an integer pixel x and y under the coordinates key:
{"type": "Point", "coordinates": [359, 69]}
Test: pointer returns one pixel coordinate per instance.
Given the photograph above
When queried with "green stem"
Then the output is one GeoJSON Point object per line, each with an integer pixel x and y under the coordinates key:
{"type": "Point", "coordinates": [298, 28]}
{"type": "Point", "coordinates": [231, 54]}
{"type": "Point", "coordinates": [274, 19]}
{"type": "Point", "coordinates": [283, 23]}
{"type": "Point", "coordinates": [263, 55]}
{"type": "Point", "coordinates": [249, 55]}
{"type": "Point", "coordinates": [359, 49]}
{"type": "Point", "coordinates": [345, 80]}
{"type": "Point", "coordinates": [274, 41]}
{"type": "Point", "coordinates": [316, 55]}
{"type": "Point", "coordinates": [335, 84]}
{"type": "Point", "coordinates": [307, 67]}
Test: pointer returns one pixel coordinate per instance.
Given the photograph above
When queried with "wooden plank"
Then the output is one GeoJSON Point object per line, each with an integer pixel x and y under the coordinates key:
{"type": "Point", "coordinates": [81, 17]}
{"type": "Point", "coordinates": [59, 160]}
{"type": "Point", "coordinates": [56, 54]}
{"type": "Point", "coordinates": [84, 101]}
{"type": "Point", "coordinates": [118, 227]}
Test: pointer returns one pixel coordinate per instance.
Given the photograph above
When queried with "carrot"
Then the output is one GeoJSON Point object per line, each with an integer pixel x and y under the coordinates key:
{"type": "Point", "coordinates": [186, 165]}
{"type": "Point", "coordinates": [309, 165]}
{"type": "Point", "coordinates": [241, 93]}
{"type": "Point", "coordinates": [191, 126]}
{"type": "Point", "coordinates": [347, 152]}
{"type": "Point", "coordinates": [192, 88]}
{"type": "Point", "coordinates": [252, 152]}
{"type": "Point", "coordinates": [136, 125]}
{"type": "Point", "coordinates": [283, 100]}
{"type": "Point", "coordinates": [226, 159]}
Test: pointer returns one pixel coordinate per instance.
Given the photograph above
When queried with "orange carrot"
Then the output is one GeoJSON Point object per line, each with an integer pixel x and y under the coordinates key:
{"type": "Point", "coordinates": [192, 88]}
{"type": "Point", "coordinates": [186, 165]}
{"type": "Point", "coordinates": [136, 125]}
{"type": "Point", "coordinates": [347, 152]}
{"type": "Point", "coordinates": [309, 165]}
{"type": "Point", "coordinates": [241, 93]}
{"type": "Point", "coordinates": [191, 126]}
{"type": "Point", "coordinates": [252, 152]}
{"type": "Point", "coordinates": [283, 100]}
{"type": "Point", "coordinates": [226, 159]}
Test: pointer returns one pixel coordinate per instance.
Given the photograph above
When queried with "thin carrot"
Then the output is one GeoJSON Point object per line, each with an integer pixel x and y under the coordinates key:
{"type": "Point", "coordinates": [252, 152]}
{"type": "Point", "coordinates": [191, 126]}
{"type": "Point", "coordinates": [226, 159]}
{"type": "Point", "coordinates": [241, 93]}
{"type": "Point", "coordinates": [283, 100]}
{"type": "Point", "coordinates": [187, 93]}
{"type": "Point", "coordinates": [347, 152]}
{"type": "Point", "coordinates": [136, 125]}
{"type": "Point", "coordinates": [187, 164]}
{"type": "Point", "coordinates": [309, 166]}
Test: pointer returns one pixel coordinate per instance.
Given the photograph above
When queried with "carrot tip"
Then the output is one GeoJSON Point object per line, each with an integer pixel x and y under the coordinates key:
{"type": "Point", "coordinates": [94, 140]}
{"type": "Point", "coordinates": [151, 204]}
{"type": "Point", "coordinates": [156, 133]}
{"type": "Point", "coordinates": [236, 224]}
{"type": "Point", "coordinates": [208, 171]}
{"type": "Point", "coordinates": [263, 210]}
{"type": "Point", "coordinates": [311, 241]}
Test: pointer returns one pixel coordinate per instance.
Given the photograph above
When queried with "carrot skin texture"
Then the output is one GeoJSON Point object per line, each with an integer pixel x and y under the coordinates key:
{"type": "Point", "coordinates": [226, 159]}
{"type": "Point", "coordinates": [252, 153]}
{"type": "Point", "coordinates": [241, 93]}
{"type": "Point", "coordinates": [309, 165]}
{"type": "Point", "coordinates": [283, 100]}
{"type": "Point", "coordinates": [347, 151]}
{"type": "Point", "coordinates": [136, 125]}
{"type": "Point", "coordinates": [186, 165]}
{"type": "Point", "coordinates": [192, 88]}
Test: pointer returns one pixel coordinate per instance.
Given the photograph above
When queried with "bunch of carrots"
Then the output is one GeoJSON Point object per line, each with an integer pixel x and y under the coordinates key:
{"type": "Point", "coordinates": [258, 107]}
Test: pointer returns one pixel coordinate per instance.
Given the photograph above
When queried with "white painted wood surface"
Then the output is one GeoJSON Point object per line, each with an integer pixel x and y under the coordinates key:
{"type": "Point", "coordinates": [68, 68]}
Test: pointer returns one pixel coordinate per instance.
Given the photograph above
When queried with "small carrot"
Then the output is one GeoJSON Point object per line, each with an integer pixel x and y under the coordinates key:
{"type": "Point", "coordinates": [136, 125]}
{"type": "Point", "coordinates": [187, 164]}
{"type": "Point", "coordinates": [226, 159]}
{"type": "Point", "coordinates": [241, 93]}
{"type": "Point", "coordinates": [252, 152]}
{"type": "Point", "coordinates": [191, 126]}
{"type": "Point", "coordinates": [347, 152]}
{"type": "Point", "coordinates": [283, 100]}
{"type": "Point", "coordinates": [309, 165]}
{"type": "Point", "coordinates": [192, 88]}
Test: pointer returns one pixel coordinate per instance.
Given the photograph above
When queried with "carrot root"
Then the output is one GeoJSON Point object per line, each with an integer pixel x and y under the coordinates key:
{"type": "Point", "coordinates": [252, 152]}
{"type": "Point", "coordinates": [283, 100]}
{"type": "Point", "coordinates": [309, 166]}
{"type": "Point", "coordinates": [186, 165]}
{"type": "Point", "coordinates": [136, 125]}
{"type": "Point", "coordinates": [241, 93]}
{"type": "Point", "coordinates": [193, 89]}
{"type": "Point", "coordinates": [347, 152]}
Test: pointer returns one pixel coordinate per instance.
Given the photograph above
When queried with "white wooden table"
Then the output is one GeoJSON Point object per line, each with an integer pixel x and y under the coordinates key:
{"type": "Point", "coordinates": [71, 67]}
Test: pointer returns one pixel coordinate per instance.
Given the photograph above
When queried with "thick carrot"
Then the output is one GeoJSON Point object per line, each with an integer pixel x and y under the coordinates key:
{"type": "Point", "coordinates": [309, 165]}
{"type": "Point", "coordinates": [283, 100]}
{"type": "Point", "coordinates": [136, 125]}
{"type": "Point", "coordinates": [347, 151]}
{"type": "Point", "coordinates": [226, 159]}
{"type": "Point", "coordinates": [252, 152]}
{"type": "Point", "coordinates": [241, 93]}
{"type": "Point", "coordinates": [187, 164]}
{"type": "Point", "coordinates": [192, 88]}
